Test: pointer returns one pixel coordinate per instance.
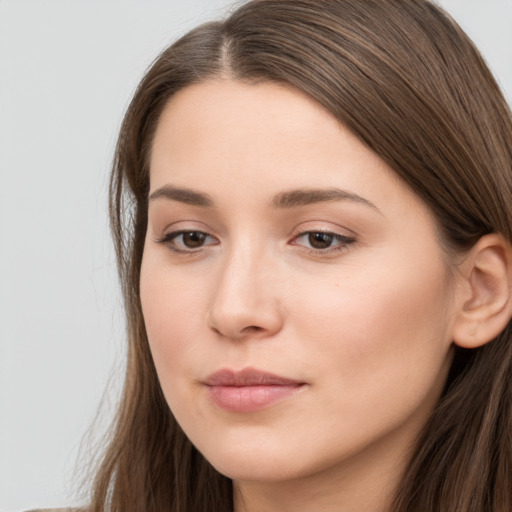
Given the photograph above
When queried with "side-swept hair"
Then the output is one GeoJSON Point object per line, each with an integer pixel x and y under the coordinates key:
{"type": "Point", "coordinates": [406, 80]}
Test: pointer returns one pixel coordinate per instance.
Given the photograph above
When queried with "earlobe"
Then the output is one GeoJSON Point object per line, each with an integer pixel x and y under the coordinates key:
{"type": "Point", "coordinates": [486, 303]}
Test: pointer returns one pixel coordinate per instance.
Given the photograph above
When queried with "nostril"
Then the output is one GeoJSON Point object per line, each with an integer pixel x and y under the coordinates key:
{"type": "Point", "coordinates": [252, 329]}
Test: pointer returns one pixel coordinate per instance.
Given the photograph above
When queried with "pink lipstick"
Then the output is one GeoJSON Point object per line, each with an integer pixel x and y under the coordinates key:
{"type": "Point", "coordinates": [249, 390]}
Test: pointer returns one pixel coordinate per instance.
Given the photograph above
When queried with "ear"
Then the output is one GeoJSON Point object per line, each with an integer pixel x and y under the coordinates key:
{"type": "Point", "coordinates": [484, 297]}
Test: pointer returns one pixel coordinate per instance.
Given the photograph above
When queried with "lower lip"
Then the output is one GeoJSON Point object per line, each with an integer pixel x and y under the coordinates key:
{"type": "Point", "coordinates": [250, 398]}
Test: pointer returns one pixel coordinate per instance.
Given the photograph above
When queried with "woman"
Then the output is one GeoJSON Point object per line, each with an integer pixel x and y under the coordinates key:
{"type": "Point", "coordinates": [311, 203]}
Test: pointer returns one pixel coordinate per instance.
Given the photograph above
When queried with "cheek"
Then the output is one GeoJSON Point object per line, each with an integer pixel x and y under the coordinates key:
{"type": "Point", "coordinates": [379, 349]}
{"type": "Point", "coordinates": [389, 326]}
{"type": "Point", "coordinates": [172, 311]}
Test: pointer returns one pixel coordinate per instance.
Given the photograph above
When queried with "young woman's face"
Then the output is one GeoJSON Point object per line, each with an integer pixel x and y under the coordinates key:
{"type": "Point", "coordinates": [297, 302]}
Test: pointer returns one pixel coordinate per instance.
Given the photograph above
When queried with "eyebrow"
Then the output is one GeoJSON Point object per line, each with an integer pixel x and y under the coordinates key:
{"type": "Point", "coordinates": [304, 197]}
{"type": "Point", "coordinates": [182, 195]}
{"type": "Point", "coordinates": [283, 200]}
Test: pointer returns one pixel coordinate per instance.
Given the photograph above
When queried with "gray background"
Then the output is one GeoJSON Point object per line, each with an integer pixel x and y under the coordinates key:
{"type": "Point", "coordinates": [67, 70]}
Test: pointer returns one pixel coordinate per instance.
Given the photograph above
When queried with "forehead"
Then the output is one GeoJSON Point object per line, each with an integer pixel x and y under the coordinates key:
{"type": "Point", "coordinates": [265, 118]}
{"type": "Point", "coordinates": [231, 138]}
{"type": "Point", "coordinates": [233, 126]}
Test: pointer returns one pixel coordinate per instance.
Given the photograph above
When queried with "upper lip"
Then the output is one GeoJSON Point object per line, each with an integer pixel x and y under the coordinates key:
{"type": "Point", "coordinates": [247, 377]}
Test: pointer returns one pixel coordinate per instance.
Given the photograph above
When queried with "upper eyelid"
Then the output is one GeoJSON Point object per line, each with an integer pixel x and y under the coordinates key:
{"type": "Point", "coordinates": [184, 226]}
{"type": "Point", "coordinates": [333, 229]}
{"type": "Point", "coordinates": [324, 232]}
{"type": "Point", "coordinates": [337, 236]}
{"type": "Point", "coordinates": [177, 232]}
{"type": "Point", "coordinates": [330, 231]}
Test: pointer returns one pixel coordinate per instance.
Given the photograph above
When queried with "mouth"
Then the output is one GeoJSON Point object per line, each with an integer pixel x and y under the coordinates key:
{"type": "Point", "coordinates": [249, 390]}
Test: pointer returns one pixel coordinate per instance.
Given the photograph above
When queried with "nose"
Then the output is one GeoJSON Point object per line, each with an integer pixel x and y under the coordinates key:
{"type": "Point", "coordinates": [245, 302]}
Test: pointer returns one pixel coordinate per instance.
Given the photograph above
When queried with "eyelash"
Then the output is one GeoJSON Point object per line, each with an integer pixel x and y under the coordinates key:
{"type": "Point", "coordinates": [343, 240]}
{"type": "Point", "coordinates": [168, 240]}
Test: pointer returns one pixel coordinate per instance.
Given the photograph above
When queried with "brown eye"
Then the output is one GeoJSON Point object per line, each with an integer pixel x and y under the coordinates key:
{"type": "Point", "coordinates": [187, 241]}
{"type": "Point", "coordinates": [193, 239]}
{"type": "Point", "coordinates": [320, 240]}
{"type": "Point", "coordinates": [323, 242]}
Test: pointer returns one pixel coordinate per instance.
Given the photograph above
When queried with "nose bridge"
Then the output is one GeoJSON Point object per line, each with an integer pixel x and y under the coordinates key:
{"type": "Point", "coordinates": [245, 299]}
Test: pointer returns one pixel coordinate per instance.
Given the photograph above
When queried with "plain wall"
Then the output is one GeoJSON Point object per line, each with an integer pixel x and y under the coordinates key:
{"type": "Point", "coordinates": [67, 71]}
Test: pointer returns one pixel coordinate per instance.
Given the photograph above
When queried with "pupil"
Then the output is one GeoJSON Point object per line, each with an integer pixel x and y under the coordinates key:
{"type": "Point", "coordinates": [320, 240]}
{"type": "Point", "coordinates": [193, 239]}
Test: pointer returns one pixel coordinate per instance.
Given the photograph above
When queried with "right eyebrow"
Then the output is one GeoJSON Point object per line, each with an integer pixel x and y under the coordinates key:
{"type": "Point", "coordinates": [182, 195]}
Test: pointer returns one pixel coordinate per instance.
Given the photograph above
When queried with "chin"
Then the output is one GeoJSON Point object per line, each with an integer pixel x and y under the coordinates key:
{"type": "Point", "coordinates": [261, 469]}
{"type": "Point", "coordinates": [265, 460]}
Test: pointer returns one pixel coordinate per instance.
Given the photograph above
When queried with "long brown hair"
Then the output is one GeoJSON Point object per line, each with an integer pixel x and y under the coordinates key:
{"type": "Point", "coordinates": [406, 80]}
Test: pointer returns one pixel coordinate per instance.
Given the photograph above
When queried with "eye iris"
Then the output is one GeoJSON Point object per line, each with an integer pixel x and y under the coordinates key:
{"type": "Point", "coordinates": [193, 239]}
{"type": "Point", "coordinates": [320, 240]}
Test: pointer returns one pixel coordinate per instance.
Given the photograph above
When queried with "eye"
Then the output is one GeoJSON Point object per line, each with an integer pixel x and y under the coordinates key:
{"type": "Point", "coordinates": [322, 241]}
{"type": "Point", "coordinates": [187, 240]}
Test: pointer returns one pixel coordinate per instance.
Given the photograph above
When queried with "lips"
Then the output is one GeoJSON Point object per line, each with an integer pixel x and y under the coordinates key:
{"type": "Point", "coordinates": [249, 390]}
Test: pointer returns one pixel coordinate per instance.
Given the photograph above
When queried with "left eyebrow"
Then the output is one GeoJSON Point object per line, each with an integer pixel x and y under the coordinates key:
{"type": "Point", "coordinates": [304, 197]}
